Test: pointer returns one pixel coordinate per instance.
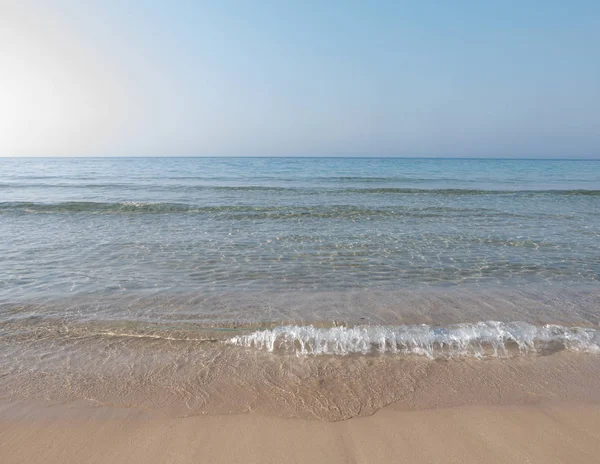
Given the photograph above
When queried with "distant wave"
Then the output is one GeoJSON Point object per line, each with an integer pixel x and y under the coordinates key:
{"type": "Point", "coordinates": [243, 211]}
{"type": "Point", "coordinates": [451, 191]}
{"type": "Point", "coordinates": [80, 185]}
{"type": "Point", "coordinates": [141, 186]}
{"type": "Point", "coordinates": [472, 340]}
{"type": "Point", "coordinates": [306, 189]}
{"type": "Point", "coordinates": [404, 191]}
{"type": "Point", "coordinates": [93, 207]}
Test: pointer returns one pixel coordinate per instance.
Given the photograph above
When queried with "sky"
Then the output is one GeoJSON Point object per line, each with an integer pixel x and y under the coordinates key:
{"type": "Point", "coordinates": [300, 78]}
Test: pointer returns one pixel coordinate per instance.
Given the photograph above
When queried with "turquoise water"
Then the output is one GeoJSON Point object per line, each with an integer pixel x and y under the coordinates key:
{"type": "Point", "coordinates": [269, 230]}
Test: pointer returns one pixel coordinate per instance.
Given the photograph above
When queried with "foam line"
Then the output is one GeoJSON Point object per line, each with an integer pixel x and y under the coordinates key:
{"type": "Point", "coordinates": [480, 339]}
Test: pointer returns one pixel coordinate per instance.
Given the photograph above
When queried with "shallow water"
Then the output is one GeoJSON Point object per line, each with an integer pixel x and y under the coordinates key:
{"type": "Point", "coordinates": [160, 272]}
{"type": "Point", "coordinates": [95, 226]}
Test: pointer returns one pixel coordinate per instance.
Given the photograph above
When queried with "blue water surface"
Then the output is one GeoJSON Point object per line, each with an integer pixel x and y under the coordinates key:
{"type": "Point", "coordinates": [79, 226]}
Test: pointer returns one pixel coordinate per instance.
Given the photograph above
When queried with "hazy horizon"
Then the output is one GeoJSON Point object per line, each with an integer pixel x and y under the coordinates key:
{"type": "Point", "coordinates": [304, 79]}
{"type": "Point", "coordinates": [441, 157]}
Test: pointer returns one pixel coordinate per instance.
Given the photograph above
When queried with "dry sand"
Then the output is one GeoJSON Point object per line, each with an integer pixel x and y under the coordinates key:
{"type": "Point", "coordinates": [543, 433]}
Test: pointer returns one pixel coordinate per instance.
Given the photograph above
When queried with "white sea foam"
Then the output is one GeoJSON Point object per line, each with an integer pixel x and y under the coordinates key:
{"type": "Point", "coordinates": [481, 339]}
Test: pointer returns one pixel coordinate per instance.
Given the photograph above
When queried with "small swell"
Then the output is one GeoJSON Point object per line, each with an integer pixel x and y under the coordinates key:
{"type": "Point", "coordinates": [230, 211]}
{"type": "Point", "coordinates": [156, 337]}
{"type": "Point", "coordinates": [94, 207]}
{"type": "Point", "coordinates": [477, 340]}
{"type": "Point", "coordinates": [459, 191]}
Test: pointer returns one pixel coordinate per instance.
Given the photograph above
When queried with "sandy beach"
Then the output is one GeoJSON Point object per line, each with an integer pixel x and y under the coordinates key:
{"type": "Point", "coordinates": [183, 403]}
{"type": "Point", "coordinates": [543, 433]}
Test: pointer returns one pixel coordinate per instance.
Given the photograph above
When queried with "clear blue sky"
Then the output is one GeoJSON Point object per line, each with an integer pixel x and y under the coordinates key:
{"type": "Point", "coordinates": [300, 78]}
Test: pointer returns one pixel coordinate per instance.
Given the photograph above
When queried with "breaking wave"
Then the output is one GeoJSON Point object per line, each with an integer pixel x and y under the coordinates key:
{"type": "Point", "coordinates": [478, 340]}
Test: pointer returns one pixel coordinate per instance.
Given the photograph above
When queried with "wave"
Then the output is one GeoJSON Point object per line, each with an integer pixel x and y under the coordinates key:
{"type": "Point", "coordinates": [310, 189]}
{"type": "Point", "coordinates": [399, 190]}
{"type": "Point", "coordinates": [94, 207]}
{"type": "Point", "coordinates": [246, 211]}
{"type": "Point", "coordinates": [478, 340]}
{"type": "Point", "coordinates": [152, 186]}
{"type": "Point", "coordinates": [457, 191]}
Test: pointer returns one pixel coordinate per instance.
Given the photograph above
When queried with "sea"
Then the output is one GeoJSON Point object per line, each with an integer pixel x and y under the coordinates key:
{"type": "Point", "coordinates": [319, 287]}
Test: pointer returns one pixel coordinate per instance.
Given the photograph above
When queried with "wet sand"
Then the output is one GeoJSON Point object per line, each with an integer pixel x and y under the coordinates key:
{"type": "Point", "coordinates": [255, 407]}
{"type": "Point", "coordinates": [548, 432]}
{"type": "Point", "coordinates": [72, 394]}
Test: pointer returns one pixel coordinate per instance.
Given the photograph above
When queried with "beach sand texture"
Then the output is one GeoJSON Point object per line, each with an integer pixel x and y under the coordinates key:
{"type": "Point", "coordinates": [543, 433]}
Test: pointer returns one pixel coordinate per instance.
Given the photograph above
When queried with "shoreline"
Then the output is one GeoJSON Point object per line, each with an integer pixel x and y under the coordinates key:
{"type": "Point", "coordinates": [187, 378]}
{"type": "Point", "coordinates": [547, 432]}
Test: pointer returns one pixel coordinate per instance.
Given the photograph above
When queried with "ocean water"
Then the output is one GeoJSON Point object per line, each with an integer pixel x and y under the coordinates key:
{"type": "Point", "coordinates": [155, 262]}
{"type": "Point", "coordinates": [100, 226]}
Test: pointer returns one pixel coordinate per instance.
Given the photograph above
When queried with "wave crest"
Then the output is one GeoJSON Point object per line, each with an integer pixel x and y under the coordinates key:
{"type": "Point", "coordinates": [481, 339]}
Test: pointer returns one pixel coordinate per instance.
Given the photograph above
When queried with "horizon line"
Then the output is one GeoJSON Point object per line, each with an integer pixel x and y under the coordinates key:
{"type": "Point", "coordinates": [595, 158]}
